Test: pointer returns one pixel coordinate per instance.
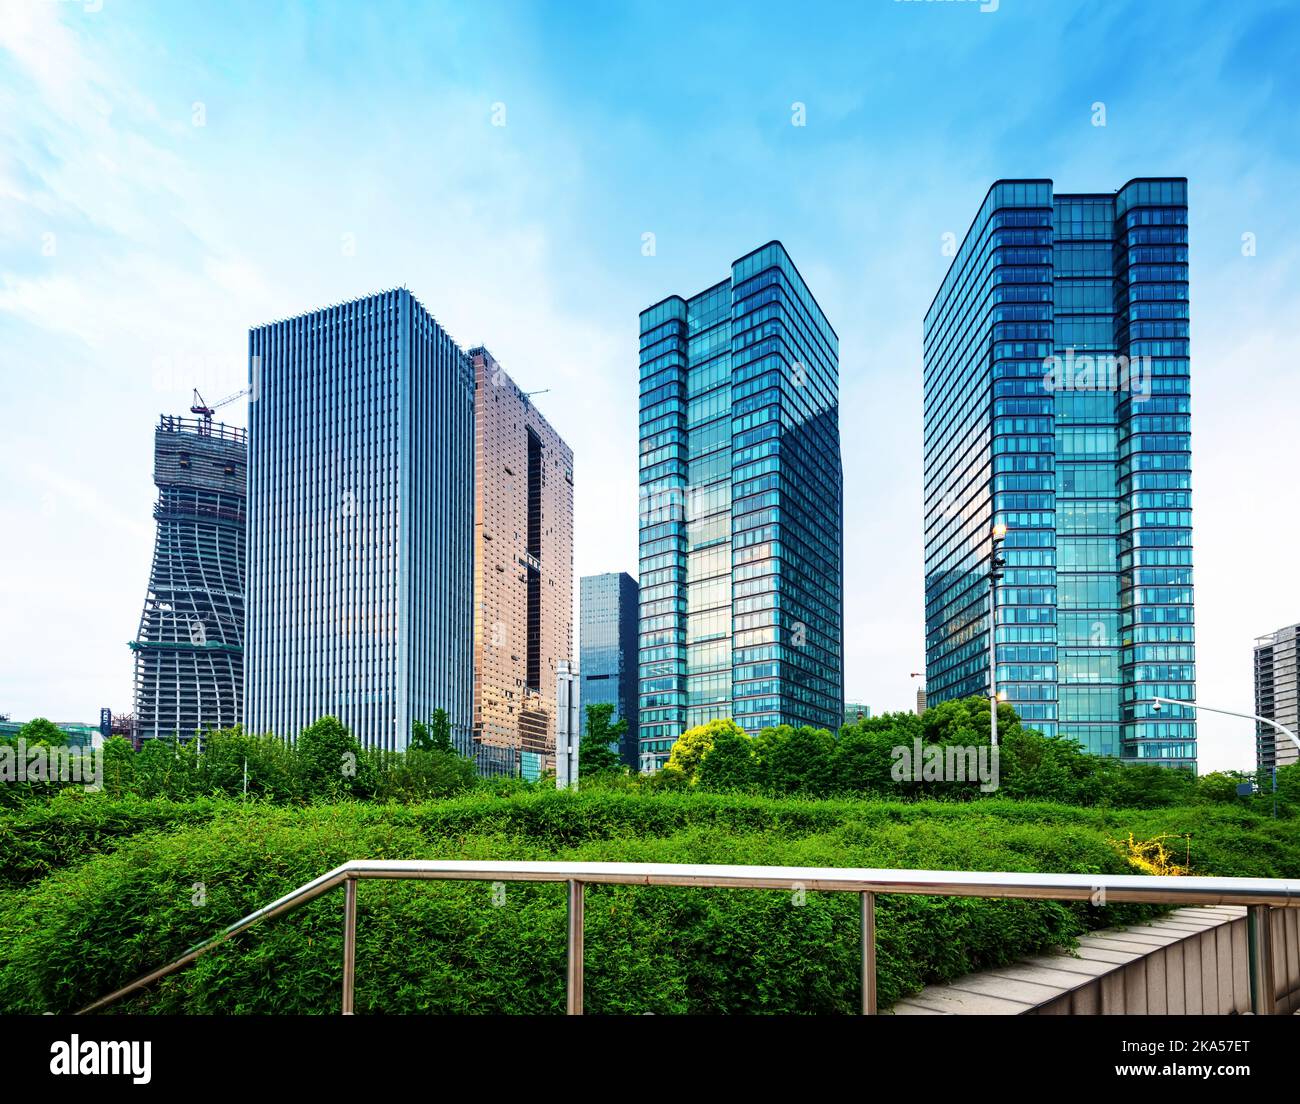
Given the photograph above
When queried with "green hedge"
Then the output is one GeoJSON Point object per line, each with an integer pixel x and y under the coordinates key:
{"type": "Point", "coordinates": [429, 947]}
{"type": "Point", "coordinates": [38, 837]}
{"type": "Point", "coordinates": [41, 837]}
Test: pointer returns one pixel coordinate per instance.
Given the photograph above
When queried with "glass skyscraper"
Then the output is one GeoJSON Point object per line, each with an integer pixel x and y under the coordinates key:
{"type": "Point", "coordinates": [360, 522]}
{"type": "Point", "coordinates": [741, 543]}
{"type": "Point", "coordinates": [607, 618]}
{"type": "Point", "coordinates": [1057, 384]}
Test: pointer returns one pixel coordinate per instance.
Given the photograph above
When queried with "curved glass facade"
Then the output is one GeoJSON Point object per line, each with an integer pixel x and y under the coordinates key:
{"type": "Point", "coordinates": [741, 545]}
{"type": "Point", "coordinates": [1057, 383]}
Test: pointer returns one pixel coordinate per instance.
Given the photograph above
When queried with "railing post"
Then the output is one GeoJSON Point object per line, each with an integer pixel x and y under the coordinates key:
{"type": "Point", "coordinates": [573, 988]}
{"type": "Point", "coordinates": [349, 944]}
{"type": "Point", "coordinates": [1259, 928]}
{"type": "Point", "coordinates": [868, 954]}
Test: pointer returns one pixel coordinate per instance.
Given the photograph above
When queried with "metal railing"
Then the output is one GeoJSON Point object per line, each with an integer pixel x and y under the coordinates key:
{"type": "Point", "coordinates": [1258, 894]}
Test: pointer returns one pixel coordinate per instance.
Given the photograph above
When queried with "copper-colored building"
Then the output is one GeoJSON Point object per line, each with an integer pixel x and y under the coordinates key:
{"type": "Point", "coordinates": [523, 567]}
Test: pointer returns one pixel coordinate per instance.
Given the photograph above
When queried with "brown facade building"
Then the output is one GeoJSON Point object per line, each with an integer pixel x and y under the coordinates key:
{"type": "Point", "coordinates": [523, 567]}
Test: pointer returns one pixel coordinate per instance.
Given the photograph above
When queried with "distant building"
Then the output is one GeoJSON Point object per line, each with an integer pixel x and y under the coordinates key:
{"type": "Point", "coordinates": [78, 734]}
{"type": "Point", "coordinates": [1277, 677]}
{"type": "Point", "coordinates": [360, 522]}
{"type": "Point", "coordinates": [523, 571]}
{"type": "Point", "coordinates": [607, 619]}
{"type": "Point", "coordinates": [855, 711]}
{"type": "Point", "coordinates": [920, 700]}
{"type": "Point", "coordinates": [189, 661]}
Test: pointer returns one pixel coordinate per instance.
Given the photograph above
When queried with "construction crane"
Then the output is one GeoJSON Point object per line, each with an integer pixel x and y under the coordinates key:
{"type": "Point", "coordinates": [205, 411]}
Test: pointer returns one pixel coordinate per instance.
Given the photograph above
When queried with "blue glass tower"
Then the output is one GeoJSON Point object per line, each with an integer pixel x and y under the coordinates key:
{"type": "Point", "coordinates": [607, 616]}
{"type": "Point", "coordinates": [741, 538]}
{"type": "Point", "coordinates": [1057, 404]}
{"type": "Point", "coordinates": [360, 522]}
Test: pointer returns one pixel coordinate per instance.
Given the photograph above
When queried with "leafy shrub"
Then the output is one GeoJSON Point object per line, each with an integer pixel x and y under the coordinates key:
{"type": "Point", "coordinates": [444, 947]}
{"type": "Point", "coordinates": [860, 761]}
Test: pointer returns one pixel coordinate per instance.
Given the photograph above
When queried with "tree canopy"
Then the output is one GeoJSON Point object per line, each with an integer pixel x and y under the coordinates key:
{"type": "Point", "coordinates": [598, 752]}
{"type": "Point", "coordinates": [862, 758]}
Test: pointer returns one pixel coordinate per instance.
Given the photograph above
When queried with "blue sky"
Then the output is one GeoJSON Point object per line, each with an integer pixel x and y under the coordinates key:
{"type": "Point", "coordinates": [172, 173]}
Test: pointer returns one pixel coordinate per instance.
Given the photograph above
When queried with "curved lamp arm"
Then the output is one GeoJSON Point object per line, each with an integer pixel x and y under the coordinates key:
{"type": "Point", "coordinates": [1228, 712]}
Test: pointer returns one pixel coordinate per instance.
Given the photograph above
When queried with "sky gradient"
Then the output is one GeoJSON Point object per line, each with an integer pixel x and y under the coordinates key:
{"type": "Point", "coordinates": [173, 174]}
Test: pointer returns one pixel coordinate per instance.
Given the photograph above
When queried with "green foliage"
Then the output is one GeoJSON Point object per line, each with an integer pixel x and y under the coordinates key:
{"type": "Point", "coordinates": [41, 731]}
{"type": "Point", "coordinates": [40, 837]}
{"type": "Point", "coordinates": [326, 764]}
{"type": "Point", "coordinates": [596, 755]}
{"type": "Point", "coordinates": [1219, 785]}
{"type": "Point", "coordinates": [419, 775]}
{"type": "Point", "coordinates": [66, 763]}
{"type": "Point", "coordinates": [795, 760]}
{"type": "Point", "coordinates": [119, 766]}
{"type": "Point", "coordinates": [1231, 839]}
{"type": "Point", "coordinates": [331, 763]}
{"type": "Point", "coordinates": [730, 765]}
{"type": "Point", "coordinates": [435, 736]}
{"type": "Point", "coordinates": [115, 873]}
{"type": "Point", "coordinates": [667, 778]}
{"type": "Point", "coordinates": [1139, 785]}
{"type": "Point", "coordinates": [165, 767]}
{"type": "Point", "coordinates": [1288, 786]}
{"type": "Point", "coordinates": [694, 744]}
{"type": "Point", "coordinates": [861, 761]}
{"type": "Point", "coordinates": [445, 947]}
{"type": "Point", "coordinates": [420, 738]}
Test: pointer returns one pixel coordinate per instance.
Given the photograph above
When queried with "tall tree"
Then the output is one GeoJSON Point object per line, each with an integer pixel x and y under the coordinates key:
{"type": "Point", "coordinates": [796, 760]}
{"type": "Point", "coordinates": [331, 762]}
{"type": "Point", "coordinates": [695, 743]}
{"type": "Point", "coordinates": [596, 754]}
{"type": "Point", "coordinates": [41, 731]}
{"type": "Point", "coordinates": [434, 736]}
{"type": "Point", "coordinates": [730, 764]}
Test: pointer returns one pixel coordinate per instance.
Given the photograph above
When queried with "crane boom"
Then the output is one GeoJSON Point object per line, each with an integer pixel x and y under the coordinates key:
{"type": "Point", "coordinates": [204, 411]}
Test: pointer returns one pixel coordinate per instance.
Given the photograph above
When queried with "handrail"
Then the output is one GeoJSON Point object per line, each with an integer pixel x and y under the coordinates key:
{"type": "Point", "coordinates": [1258, 894]}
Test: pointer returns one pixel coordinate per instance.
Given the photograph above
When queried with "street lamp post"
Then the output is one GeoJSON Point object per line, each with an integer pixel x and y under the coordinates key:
{"type": "Point", "coordinates": [996, 562]}
{"type": "Point", "coordinates": [1259, 928]}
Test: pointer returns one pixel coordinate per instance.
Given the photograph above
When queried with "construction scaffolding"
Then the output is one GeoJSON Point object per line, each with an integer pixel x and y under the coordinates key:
{"type": "Point", "coordinates": [189, 662]}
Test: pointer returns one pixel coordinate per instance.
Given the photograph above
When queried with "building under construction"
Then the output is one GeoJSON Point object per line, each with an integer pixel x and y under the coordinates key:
{"type": "Point", "coordinates": [189, 663]}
